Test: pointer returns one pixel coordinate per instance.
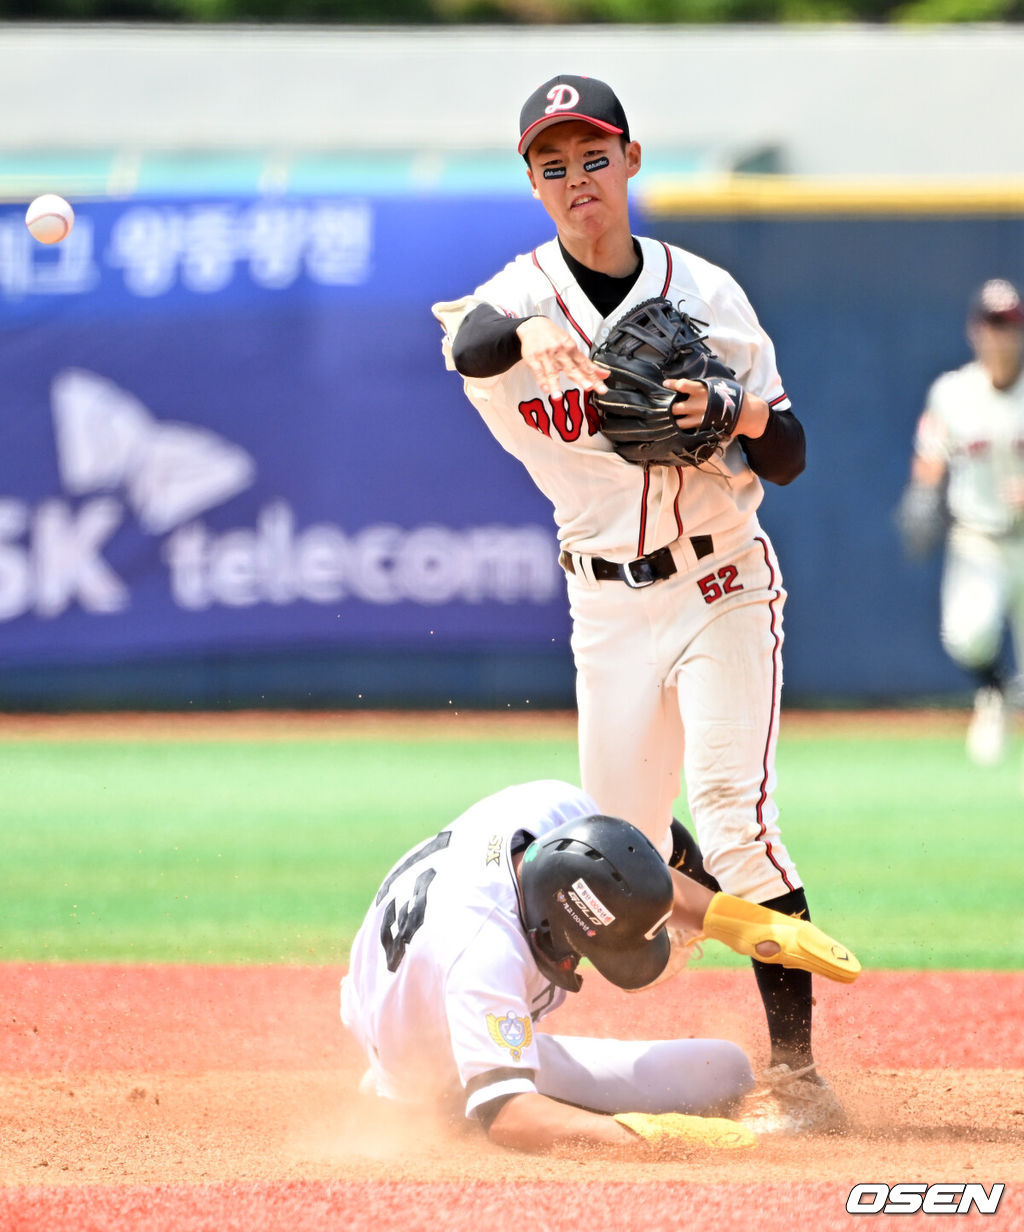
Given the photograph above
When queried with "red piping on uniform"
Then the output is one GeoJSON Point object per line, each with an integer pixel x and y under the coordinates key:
{"type": "Point", "coordinates": [675, 503]}
{"type": "Point", "coordinates": [561, 302]}
{"type": "Point", "coordinates": [783, 397]}
{"type": "Point", "coordinates": [575, 324]}
{"type": "Point", "coordinates": [647, 473]}
{"type": "Point", "coordinates": [668, 271]}
{"type": "Point", "coordinates": [679, 469]}
{"type": "Point", "coordinates": [771, 725]}
{"type": "Point", "coordinates": [643, 512]}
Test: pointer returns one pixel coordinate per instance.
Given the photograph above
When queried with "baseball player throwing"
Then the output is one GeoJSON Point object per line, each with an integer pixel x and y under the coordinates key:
{"type": "Point", "coordinates": [968, 466]}
{"type": "Point", "coordinates": [476, 934]}
{"type": "Point", "coordinates": [675, 592]}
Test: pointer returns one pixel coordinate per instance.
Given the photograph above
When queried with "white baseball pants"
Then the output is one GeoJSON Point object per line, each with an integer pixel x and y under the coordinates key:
{"type": "Point", "coordinates": [982, 591]}
{"type": "Point", "coordinates": [685, 676]}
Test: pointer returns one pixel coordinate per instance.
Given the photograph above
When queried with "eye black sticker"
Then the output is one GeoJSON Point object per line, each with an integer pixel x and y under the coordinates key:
{"type": "Point", "coordinates": [554, 173]}
{"type": "Point", "coordinates": [596, 164]}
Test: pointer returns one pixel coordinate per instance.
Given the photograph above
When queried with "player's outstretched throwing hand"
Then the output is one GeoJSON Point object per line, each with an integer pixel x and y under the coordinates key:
{"type": "Point", "coordinates": [550, 353]}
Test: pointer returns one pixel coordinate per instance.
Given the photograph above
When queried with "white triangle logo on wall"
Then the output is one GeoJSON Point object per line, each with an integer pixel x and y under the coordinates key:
{"type": "Point", "coordinates": [170, 472]}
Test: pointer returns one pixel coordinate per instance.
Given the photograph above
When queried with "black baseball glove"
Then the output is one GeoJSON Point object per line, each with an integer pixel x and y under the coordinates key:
{"type": "Point", "coordinates": [652, 342]}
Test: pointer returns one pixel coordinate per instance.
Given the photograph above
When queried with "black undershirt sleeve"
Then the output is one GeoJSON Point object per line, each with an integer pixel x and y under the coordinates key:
{"type": "Point", "coordinates": [781, 453]}
{"type": "Point", "coordinates": [486, 343]}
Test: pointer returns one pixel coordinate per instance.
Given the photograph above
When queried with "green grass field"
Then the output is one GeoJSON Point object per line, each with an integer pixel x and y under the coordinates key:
{"type": "Point", "coordinates": [263, 850]}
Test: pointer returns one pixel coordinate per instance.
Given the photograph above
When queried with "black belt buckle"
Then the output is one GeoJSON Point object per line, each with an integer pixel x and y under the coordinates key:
{"type": "Point", "coordinates": [639, 573]}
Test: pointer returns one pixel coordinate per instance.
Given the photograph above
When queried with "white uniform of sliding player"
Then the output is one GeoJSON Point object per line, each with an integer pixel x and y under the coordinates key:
{"type": "Point", "coordinates": [444, 996]}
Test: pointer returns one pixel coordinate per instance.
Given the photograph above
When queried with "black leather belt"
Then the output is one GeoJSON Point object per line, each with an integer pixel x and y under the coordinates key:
{"type": "Point", "coordinates": [644, 570]}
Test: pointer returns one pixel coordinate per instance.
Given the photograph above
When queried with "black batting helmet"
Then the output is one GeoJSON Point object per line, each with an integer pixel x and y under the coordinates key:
{"type": "Point", "coordinates": [597, 888]}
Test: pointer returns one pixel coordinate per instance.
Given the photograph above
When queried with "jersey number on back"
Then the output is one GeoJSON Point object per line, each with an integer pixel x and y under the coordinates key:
{"type": "Point", "coordinates": [399, 924]}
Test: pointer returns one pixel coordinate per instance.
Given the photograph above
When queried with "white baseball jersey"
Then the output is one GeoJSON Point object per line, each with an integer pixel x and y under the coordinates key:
{"type": "Point", "coordinates": [604, 505]}
{"type": "Point", "coordinates": [978, 432]}
{"type": "Point", "coordinates": [443, 991]}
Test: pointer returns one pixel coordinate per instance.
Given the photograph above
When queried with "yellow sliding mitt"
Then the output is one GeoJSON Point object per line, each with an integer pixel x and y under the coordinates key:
{"type": "Point", "coordinates": [742, 926]}
{"type": "Point", "coordinates": [671, 1129]}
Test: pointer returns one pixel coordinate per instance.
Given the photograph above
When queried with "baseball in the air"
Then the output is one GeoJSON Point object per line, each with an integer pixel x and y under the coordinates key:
{"type": "Point", "coordinates": [50, 218]}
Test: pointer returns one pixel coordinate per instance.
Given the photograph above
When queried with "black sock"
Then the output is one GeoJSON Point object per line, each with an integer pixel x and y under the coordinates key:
{"type": "Point", "coordinates": [786, 994]}
{"type": "Point", "coordinates": [989, 677]}
{"type": "Point", "coordinates": [785, 991]}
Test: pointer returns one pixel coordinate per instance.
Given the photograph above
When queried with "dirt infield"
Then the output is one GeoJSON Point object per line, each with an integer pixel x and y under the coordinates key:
{"type": "Point", "coordinates": [188, 1098]}
{"type": "Point", "coordinates": [222, 1099]}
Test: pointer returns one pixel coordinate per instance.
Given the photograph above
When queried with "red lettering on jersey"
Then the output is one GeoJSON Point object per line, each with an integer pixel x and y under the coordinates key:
{"type": "Point", "coordinates": [567, 415]}
{"type": "Point", "coordinates": [593, 418]}
{"type": "Point", "coordinates": [535, 415]}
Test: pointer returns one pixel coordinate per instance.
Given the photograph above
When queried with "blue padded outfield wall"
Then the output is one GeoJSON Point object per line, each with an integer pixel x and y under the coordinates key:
{"type": "Point", "coordinates": [234, 470]}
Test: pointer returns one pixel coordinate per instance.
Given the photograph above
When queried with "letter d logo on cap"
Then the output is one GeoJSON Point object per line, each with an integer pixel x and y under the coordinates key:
{"type": "Point", "coordinates": [563, 98]}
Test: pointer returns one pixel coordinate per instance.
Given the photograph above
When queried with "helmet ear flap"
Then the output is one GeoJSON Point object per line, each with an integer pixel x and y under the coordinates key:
{"type": "Point", "coordinates": [596, 888]}
{"type": "Point", "coordinates": [561, 971]}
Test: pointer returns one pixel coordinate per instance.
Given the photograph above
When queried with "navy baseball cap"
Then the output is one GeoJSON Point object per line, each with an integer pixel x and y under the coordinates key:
{"type": "Point", "coordinates": [571, 98]}
{"type": "Point", "coordinates": [998, 301]}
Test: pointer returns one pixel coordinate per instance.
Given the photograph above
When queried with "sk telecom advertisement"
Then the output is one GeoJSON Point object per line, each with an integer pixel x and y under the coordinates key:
{"type": "Point", "coordinates": [227, 425]}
